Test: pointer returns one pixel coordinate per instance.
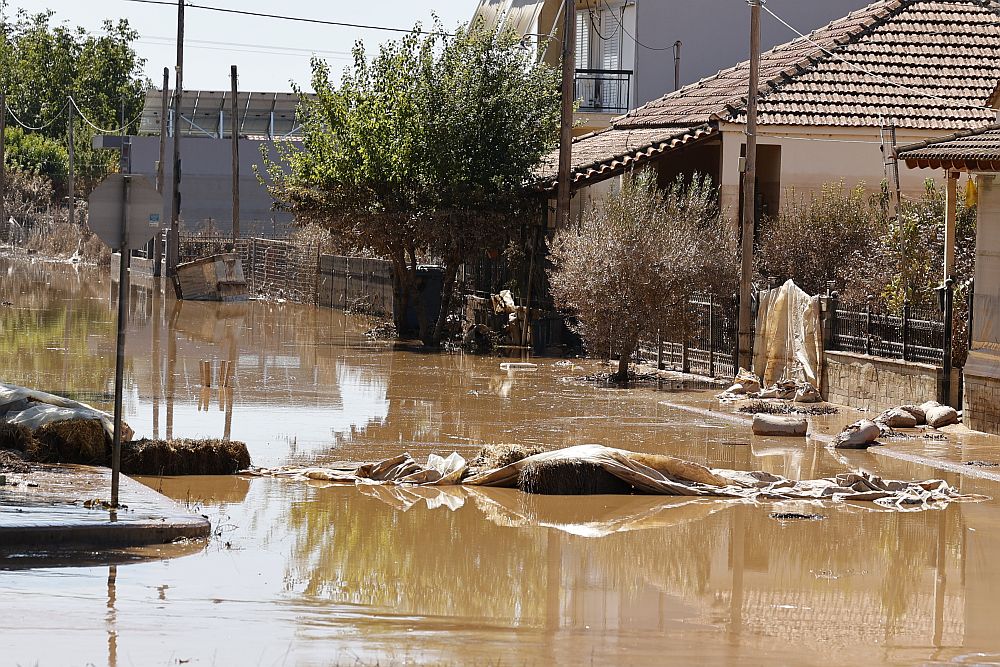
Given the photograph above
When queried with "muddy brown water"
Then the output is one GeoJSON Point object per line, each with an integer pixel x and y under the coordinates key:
{"type": "Point", "coordinates": [308, 573]}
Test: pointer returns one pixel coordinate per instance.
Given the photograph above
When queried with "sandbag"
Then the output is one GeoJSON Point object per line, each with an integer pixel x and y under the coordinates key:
{"type": "Point", "coordinates": [745, 383]}
{"type": "Point", "coordinates": [858, 435]}
{"type": "Point", "coordinates": [807, 394]}
{"type": "Point", "coordinates": [782, 425]}
{"type": "Point", "coordinates": [942, 415]}
{"type": "Point", "coordinates": [917, 412]}
{"type": "Point", "coordinates": [897, 418]}
{"type": "Point", "coordinates": [927, 405]}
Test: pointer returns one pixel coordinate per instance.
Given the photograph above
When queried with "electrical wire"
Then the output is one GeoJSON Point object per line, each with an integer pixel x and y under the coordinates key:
{"type": "Point", "coordinates": [29, 127]}
{"type": "Point", "coordinates": [270, 47]}
{"type": "Point", "coordinates": [99, 129]}
{"type": "Point", "coordinates": [593, 24]}
{"type": "Point", "coordinates": [243, 12]}
{"type": "Point", "coordinates": [621, 24]}
{"type": "Point", "coordinates": [296, 54]}
{"type": "Point", "coordinates": [858, 68]}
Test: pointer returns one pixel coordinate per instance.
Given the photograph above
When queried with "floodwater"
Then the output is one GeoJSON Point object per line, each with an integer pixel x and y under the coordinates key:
{"type": "Point", "coordinates": [308, 573]}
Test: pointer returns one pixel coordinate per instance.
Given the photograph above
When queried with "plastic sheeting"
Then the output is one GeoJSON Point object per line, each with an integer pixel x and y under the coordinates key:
{"type": "Point", "coordinates": [652, 474]}
{"type": "Point", "coordinates": [33, 409]}
{"type": "Point", "coordinates": [789, 337]}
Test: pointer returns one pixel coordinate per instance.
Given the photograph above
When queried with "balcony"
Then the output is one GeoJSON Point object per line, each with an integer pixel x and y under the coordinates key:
{"type": "Point", "coordinates": [603, 90]}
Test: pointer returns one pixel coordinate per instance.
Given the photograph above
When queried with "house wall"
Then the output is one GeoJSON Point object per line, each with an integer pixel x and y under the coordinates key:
{"type": "Point", "coordinates": [982, 370]}
{"type": "Point", "coordinates": [811, 157]}
{"type": "Point", "coordinates": [206, 183]}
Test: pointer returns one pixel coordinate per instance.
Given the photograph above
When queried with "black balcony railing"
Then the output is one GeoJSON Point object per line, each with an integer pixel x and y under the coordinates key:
{"type": "Point", "coordinates": [604, 90]}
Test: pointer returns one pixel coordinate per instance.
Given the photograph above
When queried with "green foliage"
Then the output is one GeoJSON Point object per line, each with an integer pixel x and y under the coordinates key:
{"type": "Point", "coordinates": [35, 155]}
{"type": "Point", "coordinates": [423, 150]}
{"type": "Point", "coordinates": [635, 257]}
{"type": "Point", "coordinates": [43, 62]}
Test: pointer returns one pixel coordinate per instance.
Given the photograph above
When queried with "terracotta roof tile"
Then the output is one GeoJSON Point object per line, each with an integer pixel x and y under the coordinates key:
{"type": "Point", "coordinates": [971, 149]}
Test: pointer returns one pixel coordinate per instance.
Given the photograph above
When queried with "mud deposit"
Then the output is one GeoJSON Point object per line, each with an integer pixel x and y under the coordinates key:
{"type": "Point", "coordinates": [321, 574]}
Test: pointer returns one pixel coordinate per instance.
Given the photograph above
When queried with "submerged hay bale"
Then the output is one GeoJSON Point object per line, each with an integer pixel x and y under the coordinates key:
{"type": "Point", "coordinates": [14, 436]}
{"type": "Point", "coordinates": [569, 478]}
{"type": "Point", "coordinates": [498, 456]}
{"type": "Point", "coordinates": [184, 457]}
{"type": "Point", "coordinates": [71, 441]}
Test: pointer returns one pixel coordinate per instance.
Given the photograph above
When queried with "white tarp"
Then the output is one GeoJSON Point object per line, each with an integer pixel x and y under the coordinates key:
{"type": "Point", "coordinates": [33, 409]}
{"type": "Point", "coordinates": [789, 337]}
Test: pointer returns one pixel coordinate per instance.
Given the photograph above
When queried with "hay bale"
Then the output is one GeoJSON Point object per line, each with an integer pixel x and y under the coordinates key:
{"type": "Point", "coordinates": [569, 478]}
{"type": "Point", "coordinates": [14, 436]}
{"type": "Point", "coordinates": [71, 441]}
{"type": "Point", "coordinates": [499, 456]}
{"type": "Point", "coordinates": [184, 457]}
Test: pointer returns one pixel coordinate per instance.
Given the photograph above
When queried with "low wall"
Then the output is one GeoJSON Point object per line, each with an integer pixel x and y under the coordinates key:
{"type": "Point", "coordinates": [351, 281]}
{"type": "Point", "coordinates": [982, 403]}
{"type": "Point", "coordinates": [874, 384]}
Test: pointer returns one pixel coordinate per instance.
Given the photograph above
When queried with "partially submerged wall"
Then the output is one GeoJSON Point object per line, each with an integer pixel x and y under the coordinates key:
{"type": "Point", "coordinates": [982, 403]}
{"type": "Point", "coordinates": [874, 384]}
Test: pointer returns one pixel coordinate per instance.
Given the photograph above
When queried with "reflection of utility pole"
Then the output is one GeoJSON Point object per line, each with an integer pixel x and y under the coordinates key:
{"type": "Point", "coordinates": [157, 377]}
{"type": "Point", "coordinates": [171, 366]}
{"type": "Point", "coordinates": [566, 115]}
{"type": "Point", "coordinates": [112, 616]}
{"type": "Point", "coordinates": [553, 588]}
{"type": "Point", "coordinates": [941, 578]}
{"type": "Point", "coordinates": [749, 191]}
{"type": "Point", "coordinates": [737, 530]}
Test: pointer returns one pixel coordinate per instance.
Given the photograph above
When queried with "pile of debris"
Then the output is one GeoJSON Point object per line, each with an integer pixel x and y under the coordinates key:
{"type": "Point", "coordinates": [44, 428]}
{"type": "Point", "coordinates": [747, 385]}
{"type": "Point", "coordinates": [596, 469]}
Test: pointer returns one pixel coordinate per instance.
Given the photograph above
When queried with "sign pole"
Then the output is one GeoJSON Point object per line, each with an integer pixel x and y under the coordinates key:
{"type": "Point", "coordinates": [116, 444]}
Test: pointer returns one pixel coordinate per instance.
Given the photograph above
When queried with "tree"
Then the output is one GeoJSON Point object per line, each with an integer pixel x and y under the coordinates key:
{"type": "Point", "coordinates": [43, 63]}
{"type": "Point", "coordinates": [629, 267]}
{"type": "Point", "coordinates": [423, 152]}
{"type": "Point", "coordinates": [35, 155]}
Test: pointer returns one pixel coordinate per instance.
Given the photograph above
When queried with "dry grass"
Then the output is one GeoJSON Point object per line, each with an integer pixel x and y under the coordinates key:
{"type": "Point", "coordinates": [14, 436]}
{"type": "Point", "coordinates": [63, 240]}
{"type": "Point", "coordinates": [71, 441]}
{"type": "Point", "coordinates": [184, 457]}
{"type": "Point", "coordinates": [498, 456]}
{"type": "Point", "coordinates": [570, 478]}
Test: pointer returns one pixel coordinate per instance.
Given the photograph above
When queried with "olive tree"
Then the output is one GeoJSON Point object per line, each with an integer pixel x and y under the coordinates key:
{"type": "Point", "coordinates": [423, 151]}
{"type": "Point", "coordinates": [628, 268]}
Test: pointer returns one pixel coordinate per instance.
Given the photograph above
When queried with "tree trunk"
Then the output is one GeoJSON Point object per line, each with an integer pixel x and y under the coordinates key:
{"type": "Point", "coordinates": [402, 298]}
{"type": "Point", "coordinates": [621, 376]}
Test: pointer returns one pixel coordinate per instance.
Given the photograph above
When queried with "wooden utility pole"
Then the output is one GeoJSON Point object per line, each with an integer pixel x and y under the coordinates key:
{"type": "Point", "coordinates": [173, 235]}
{"type": "Point", "coordinates": [72, 174]}
{"type": "Point", "coordinates": [677, 64]}
{"type": "Point", "coordinates": [235, 124]}
{"type": "Point", "coordinates": [749, 192]}
{"type": "Point", "coordinates": [3, 156]}
{"type": "Point", "coordinates": [566, 119]}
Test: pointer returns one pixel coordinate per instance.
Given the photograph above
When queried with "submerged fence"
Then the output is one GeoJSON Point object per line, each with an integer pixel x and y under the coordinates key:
{"type": "Point", "coordinates": [709, 344]}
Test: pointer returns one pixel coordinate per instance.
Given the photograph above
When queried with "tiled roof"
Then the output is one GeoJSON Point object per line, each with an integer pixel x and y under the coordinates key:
{"type": "Point", "coordinates": [942, 55]}
{"type": "Point", "coordinates": [974, 150]}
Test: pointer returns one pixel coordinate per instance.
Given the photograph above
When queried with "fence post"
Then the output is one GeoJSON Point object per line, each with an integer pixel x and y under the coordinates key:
{"type": "Point", "coordinates": [659, 350]}
{"type": "Point", "coordinates": [736, 346]}
{"type": "Point", "coordinates": [711, 335]}
{"type": "Point", "coordinates": [868, 326]}
{"type": "Point", "coordinates": [685, 364]}
{"type": "Point", "coordinates": [949, 293]}
{"type": "Point", "coordinates": [906, 330]}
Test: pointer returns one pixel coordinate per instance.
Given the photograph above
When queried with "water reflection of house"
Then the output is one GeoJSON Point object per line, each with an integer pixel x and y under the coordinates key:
{"type": "Point", "coordinates": [928, 67]}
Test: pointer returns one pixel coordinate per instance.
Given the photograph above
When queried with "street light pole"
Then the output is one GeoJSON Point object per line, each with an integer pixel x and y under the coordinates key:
{"type": "Point", "coordinates": [566, 117]}
{"type": "Point", "coordinates": [749, 193]}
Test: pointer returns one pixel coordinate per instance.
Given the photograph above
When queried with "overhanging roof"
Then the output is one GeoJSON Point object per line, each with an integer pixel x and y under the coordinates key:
{"type": "Point", "coordinates": [972, 150]}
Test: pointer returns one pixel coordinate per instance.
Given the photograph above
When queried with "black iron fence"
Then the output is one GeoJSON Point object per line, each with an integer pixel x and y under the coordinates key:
{"type": "Point", "coordinates": [604, 90]}
{"type": "Point", "coordinates": [910, 334]}
{"type": "Point", "coordinates": [706, 345]}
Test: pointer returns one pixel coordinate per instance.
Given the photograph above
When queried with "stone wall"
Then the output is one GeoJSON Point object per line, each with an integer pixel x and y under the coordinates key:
{"type": "Point", "coordinates": [982, 404]}
{"type": "Point", "coordinates": [874, 384]}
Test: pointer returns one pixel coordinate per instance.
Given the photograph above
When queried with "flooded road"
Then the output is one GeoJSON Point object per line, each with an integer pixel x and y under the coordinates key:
{"type": "Point", "coordinates": [317, 574]}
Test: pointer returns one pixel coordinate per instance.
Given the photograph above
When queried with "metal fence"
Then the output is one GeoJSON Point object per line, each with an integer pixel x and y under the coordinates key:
{"type": "Point", "coordinates": [911, 334]}
{"type": "Point", "coordinates": [274, 269]}
{"type": "Point", "coordinates": [708, 347]}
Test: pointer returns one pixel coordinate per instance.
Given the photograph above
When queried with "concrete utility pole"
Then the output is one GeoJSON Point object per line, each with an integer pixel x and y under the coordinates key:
{"type": "Point", "coordinates": [566, 119]}
{"type": "Point", "coordinates": [235, 124]}
{"type": "Point", "coordinates": [749, 192]}
{"type": "Point", "coordinates": [164, 105]}
{"type": "Point", "coordinates": [173, 235]}
{"type": "Point", "coordinates": [3, 156]}
{"type": "Point", "coordinates": [72, 175]}
{"type": "Point", "coordinates": [677, 64]}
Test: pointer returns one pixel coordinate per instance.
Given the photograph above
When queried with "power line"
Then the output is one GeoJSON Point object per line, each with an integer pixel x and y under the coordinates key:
{"type": "Point", "coordinates": [302, 19]}
{"type": "Point", "coordinates": [858, 68]}
{"type": "Point", "coordinates": [297, 54]}
{"type": "Point", "coordinates": [621, 24]}
{"type": "Point", "coordinates": [274, 47]}
{"type": "Point", "coordinates": [29, 127]}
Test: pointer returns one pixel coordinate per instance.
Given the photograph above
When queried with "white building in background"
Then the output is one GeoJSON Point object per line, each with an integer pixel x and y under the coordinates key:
{"type": "Point", "coordinates": [629, 52]}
